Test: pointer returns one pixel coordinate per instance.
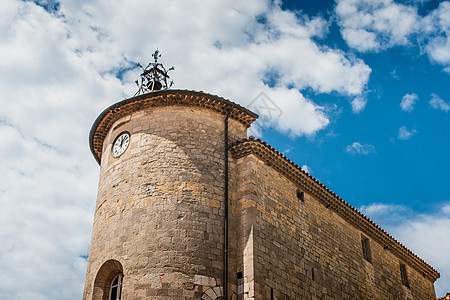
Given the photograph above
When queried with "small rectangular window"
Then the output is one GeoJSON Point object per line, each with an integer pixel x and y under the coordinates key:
{"type": "Point", "coordinates": [404, 275]}
{"type": "Point", "coordinates": [271, 294]}
{"type": "Point", "coordinates": [312, 274]}
{"type": "Point", "coordinates": [239, 275]}
{"type": "Point", "coordinates": [366, 249]}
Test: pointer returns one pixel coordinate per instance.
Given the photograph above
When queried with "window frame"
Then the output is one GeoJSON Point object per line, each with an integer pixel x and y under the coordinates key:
{"type": "Point", "coordinates": [118, 286]}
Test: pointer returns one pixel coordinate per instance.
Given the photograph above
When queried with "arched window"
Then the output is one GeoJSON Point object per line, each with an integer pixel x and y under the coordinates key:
{"type": "Point", "coordinates": [108, 282]}
{"type": "Point", "coordinates": [116, 288]}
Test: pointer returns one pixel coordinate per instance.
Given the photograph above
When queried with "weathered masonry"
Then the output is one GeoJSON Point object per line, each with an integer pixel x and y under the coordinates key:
{"type": "Point", "coordinates": [169, 208]}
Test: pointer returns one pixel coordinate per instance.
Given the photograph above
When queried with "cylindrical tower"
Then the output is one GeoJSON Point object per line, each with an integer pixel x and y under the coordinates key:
{"type": "Point", "coordinates": [158, 226]}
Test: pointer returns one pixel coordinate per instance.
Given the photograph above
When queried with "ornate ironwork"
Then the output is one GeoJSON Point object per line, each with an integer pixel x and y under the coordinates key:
{"type": "Point", "coordinates": [154, 77]}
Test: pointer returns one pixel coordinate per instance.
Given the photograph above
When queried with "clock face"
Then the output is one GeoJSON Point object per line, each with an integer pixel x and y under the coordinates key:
{"type": "Point", "coordinates": [121, 144]}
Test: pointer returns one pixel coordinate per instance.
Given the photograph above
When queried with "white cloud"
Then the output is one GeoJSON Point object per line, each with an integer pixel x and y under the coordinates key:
{"type": "Point", "coordinates": [298, 117]}
{"type": "Point", "coordinates": [389, 212]}
{"type": "Point", "coordinates": [405, 134]}
{"type": "Point", "coordinates": [408, 102]}
{"type": "Point", "coordinates": [425, 234]}
{"type": "Point", "coordinates": [437, 25]}
{"type": "Point", "coordinates": [394, 74]}
{"type": "Point", "coordinates": [446, 209]}
{"type": "Point", "coordinates": [46, 217]}
{"type": "Point", "coordinates": [307, 169]}
{"type": "Point", "coordinates": [281, 44]}
{"type": "Point", "coordinates": [359, 103]}
{"type": "Point", "coordinates": [438, 103]}
{"type": "Point", "coordinates": [288, 111]}
{"type": "Point", "coordinates": [360, 39]}
{"type": "Point", "coordinates": [374, 25]}
{"type": "Point", "coordinates": [359, 149]}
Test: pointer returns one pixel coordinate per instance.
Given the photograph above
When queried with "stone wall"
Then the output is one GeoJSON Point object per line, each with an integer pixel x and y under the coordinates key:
{"type": "Point", "coordinates": [299, 249]}
{"type": "Point", "coordinates": [159, 212]}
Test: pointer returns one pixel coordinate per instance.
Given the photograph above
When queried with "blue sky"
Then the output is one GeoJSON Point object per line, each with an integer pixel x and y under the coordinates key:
{"type": "Point", "coordinates": [360, 91]}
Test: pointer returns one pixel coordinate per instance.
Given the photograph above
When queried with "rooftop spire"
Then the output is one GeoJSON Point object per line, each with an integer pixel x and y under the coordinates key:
{"type": "Point", "coordinates": [154, 77]}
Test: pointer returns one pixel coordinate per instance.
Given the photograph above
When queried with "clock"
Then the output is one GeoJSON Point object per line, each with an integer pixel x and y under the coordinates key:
{"type": "Point", "coordinates": [121, 144]}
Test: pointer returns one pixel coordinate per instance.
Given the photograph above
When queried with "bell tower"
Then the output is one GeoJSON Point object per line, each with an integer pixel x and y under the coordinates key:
{"type": "Point", "coordinates": [158, 229]}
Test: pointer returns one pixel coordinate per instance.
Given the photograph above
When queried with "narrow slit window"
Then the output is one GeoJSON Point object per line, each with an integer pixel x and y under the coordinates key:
{"type": "Point", "coordinates": [271, 294]}
{"type": "Point", "coordinates": [300, 195]}
{"type": "Point", "coordinates": [366, 249]}
{"type": "Point", "coordinates": [404, 275]}
{"type": "Point", "coordinates": [312, 274]}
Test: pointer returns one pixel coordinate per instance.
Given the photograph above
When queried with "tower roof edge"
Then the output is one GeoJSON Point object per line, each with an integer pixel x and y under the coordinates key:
{"type": "Point", "coordinates": [106, 119]}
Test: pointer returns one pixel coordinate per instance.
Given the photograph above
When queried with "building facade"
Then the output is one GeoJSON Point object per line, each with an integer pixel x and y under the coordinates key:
{"type": "Point", "coordinates": [181, 185]}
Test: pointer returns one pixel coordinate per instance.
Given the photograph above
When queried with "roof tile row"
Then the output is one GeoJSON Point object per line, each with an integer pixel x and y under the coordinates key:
{"type": "Point", "coordinates": [306, 182]}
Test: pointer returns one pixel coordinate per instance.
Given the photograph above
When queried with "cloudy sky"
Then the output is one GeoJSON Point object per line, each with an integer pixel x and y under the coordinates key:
{"type": "Point", "coordinates": [355, 91]}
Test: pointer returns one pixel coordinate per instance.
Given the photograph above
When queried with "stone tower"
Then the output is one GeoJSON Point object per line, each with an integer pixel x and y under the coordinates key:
{"type": "Point", "coordinates": [159, 218]}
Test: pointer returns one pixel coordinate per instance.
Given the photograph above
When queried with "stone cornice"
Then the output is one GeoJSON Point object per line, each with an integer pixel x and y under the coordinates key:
{"type": "Point", "coordinates": [162, 98]}
{"type": "Point", "coordinates": [331, 201]}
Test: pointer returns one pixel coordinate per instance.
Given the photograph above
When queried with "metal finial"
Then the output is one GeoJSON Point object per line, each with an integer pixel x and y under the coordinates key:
{"type": "Point", "coordinates": [154, 77]}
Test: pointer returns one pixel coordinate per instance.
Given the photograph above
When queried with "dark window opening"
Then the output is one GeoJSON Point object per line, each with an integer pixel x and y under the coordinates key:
{"type": "Point", "coordinates": [312, 274]}
{"type": "Point", "coordinates": [404, 275]}
{"type": "Point", "coordinates": [115, 291]}
{"type": "Point", "coordinates": [300, 195]}
{"type": "Point", "coordinates": [366, 249]}
{"type": "Point", "coordinates": [239, 275]}
{"type": "Point", "coordinates": [271, 294]}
